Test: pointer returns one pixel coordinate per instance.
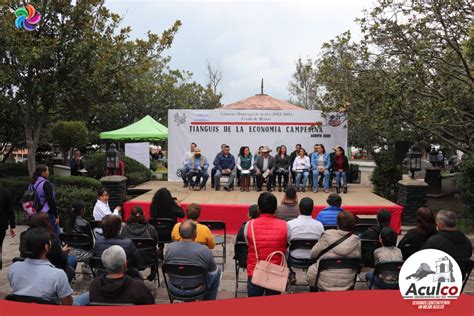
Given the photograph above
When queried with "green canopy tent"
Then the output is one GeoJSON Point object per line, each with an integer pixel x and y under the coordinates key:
{"type": "Point", "coordinates": [145, 129]}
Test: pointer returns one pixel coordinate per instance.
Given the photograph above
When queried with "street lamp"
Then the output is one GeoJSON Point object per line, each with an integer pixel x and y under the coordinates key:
{"type": "Point", "coordinates": [56, 149]}
{"type": "Point", "coordinates": [414, 161]}
{"type": "Point", "coordinates": [112, 156]}
{"type": "Point", "coordinates": [432, 156]}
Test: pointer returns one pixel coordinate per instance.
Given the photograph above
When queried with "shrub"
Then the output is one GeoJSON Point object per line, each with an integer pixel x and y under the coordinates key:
{"type": "Point", "coordinates": [17, 186]}
{"type": "Point", "coordinates": [66, 195]}
{"type": "Point", "coordinates": [13, 169]}
{"type": "Point", "coordinates": [70, 134]}
{"type": "Point", "coordinates": [95, 165]}
{"type": "Point", "coordinates": [386, 175]}
{"type": "Point", "coordinates": [153, 165]}
{"type": "Point", "coordinates": [78, 182]}
{"type": "Point", "coordinates": [135, 178]}
{"type": "Point", "coordinates": [465, 183]}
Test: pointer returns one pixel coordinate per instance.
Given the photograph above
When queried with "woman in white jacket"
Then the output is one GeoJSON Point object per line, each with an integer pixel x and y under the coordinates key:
{"type": "Point", "coordinates": [301, 166]}
{"type": "Point", "coordinates": [102, 208]}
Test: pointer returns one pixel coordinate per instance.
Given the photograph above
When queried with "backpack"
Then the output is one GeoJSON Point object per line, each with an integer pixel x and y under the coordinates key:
{"type": "Point", "coordinates": [31, 201]}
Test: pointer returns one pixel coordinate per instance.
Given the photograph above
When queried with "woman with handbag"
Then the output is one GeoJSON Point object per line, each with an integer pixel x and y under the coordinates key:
{"type": "Point", "coordinates": [266, 238]}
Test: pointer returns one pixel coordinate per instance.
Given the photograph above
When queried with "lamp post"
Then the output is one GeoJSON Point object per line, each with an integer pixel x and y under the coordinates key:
{"type": "Point", "coordinates": [112, 156]}
{"type": "Point", "coordinates": [432, 157]}
{"type": "Point", "coordinates": [56, 149]}
{"type": "Point", "coordinates": [414, 161]}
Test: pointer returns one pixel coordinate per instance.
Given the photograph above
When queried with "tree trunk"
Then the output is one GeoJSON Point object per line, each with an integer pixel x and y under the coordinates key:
{"type": "Point", "coordinates": [32, 146]}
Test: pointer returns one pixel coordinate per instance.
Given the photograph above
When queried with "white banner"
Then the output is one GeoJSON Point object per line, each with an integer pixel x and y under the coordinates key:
{"type": "Point", "coordinates": [211, 128]}
{"type": "Point", "coordinates": [138, 151]}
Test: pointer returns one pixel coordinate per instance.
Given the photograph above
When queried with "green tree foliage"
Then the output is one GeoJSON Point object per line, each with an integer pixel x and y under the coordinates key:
{"type": "Point", "coordinates": [78, 64]}
{"type": "Point", "coordinates": [303, 86]}
{"type": "Point", "coordinates": [69, 134]}
{"type": "Point", "coordinates": [386, 175]}
{"type": "Point", "coordinates": [465, 183]}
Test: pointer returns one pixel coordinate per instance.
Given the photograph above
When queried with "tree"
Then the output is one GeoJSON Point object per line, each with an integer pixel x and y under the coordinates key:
{"type": "Point", "coordinates": [304, 86]}
{"type": "Point", "coordinates": [75, 64]}
{"type": "Point", "coordinates": [69, 134]}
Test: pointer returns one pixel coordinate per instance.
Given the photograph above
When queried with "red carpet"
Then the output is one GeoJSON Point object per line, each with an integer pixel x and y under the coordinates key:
{"type": "Point", "coordinates": [235, 214]}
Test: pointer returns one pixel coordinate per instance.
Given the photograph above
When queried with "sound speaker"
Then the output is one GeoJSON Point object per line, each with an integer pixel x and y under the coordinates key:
{"type": "Point", "coordinates": [401, 149]}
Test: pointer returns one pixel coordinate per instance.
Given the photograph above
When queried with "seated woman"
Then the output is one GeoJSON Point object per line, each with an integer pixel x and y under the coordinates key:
{"type": "Point", "coordinates": [349, 247]}
{"type": "Point", "coordinates": [282, 167]}
{"type": "Point", "coordinates": [301, 167]}
{"type": "Point", "coordinates": [58, 255]}
{"type": "Point", "coordinates": [102, 208]}
{"type": "Point", "coordinates": [321, 163]}
{"type": "Point", "coordinates": [339, 166]}
{"type": "Point", "coordinates": [245, 166]}
{"type": "Point", "coordinates": [425, 228]}
{"type": "Point", "coordinates": [111, 226]}
{"type": "Point", "coordinates": [163, 205]}
{"type": "Point", "coordinates": [75, 223]}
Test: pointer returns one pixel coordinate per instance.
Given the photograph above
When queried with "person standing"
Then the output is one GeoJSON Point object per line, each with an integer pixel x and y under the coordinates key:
{"type": "Point", "coordinates": [184, 170]}
{"type": "Point", "coordinates": [264, 168]}
{"type": "Point", "coordinates": [76, 163]}
{"type": "Point", "coordinates": [339, 165]}
{"type": "Point", "coordinates": [46, 195]}
{"type": "Point", "coordinates": [245, 167]}
{"type": "Point", "coordinates": [282, 167]}
{"type": "Point", "coordinates": [225, 165]}
{"type": "Point", "coordinates": [320, 162]}
{"type": "Point", "coordinates": [7, 217]}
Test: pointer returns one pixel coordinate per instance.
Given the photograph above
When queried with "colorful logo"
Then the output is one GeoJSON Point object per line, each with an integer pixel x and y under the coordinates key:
{"type": "Point", "coordinates": [27, 18]}
{"type": "Point", "coordinates": [430, 279]}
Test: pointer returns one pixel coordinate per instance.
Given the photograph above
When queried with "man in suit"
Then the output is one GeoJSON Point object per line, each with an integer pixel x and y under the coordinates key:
{"type": "Point", "coordinates": [264, 167]}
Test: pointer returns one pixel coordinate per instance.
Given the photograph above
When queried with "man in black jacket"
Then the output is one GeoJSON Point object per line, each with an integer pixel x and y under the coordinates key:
{"type": "Point", "coordinates": [449, 239]}
{"type": "Point", "coordinates": [7, 216]}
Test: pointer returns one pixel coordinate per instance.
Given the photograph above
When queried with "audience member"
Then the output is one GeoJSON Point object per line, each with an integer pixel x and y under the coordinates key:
{"type": "Point", "coordinates": [197, 167]}
{"type": "Point", "coordinates": [163, 205]}
{"type": "Point", "coordinates": [204, 235]}
{"type": "Point", "coordinates": [184, 170]}
{"type": "Point", "coordinates": [102, 208]}
{"type": "Point", "coordinates": [58, 254]}
{"type": "Point", "coordinates": [383, 220]}
{"type": "Point", "coordinates": [264, 169]}
{"type": "Point", "coordinates": [137, 226]}
{"type": "Point", "coordinates": [321, 163]}
{"type": "Point", "coordinates": [339, 166]}
{"type": "Point", "coordinates": [335, 279]}
{"type": "Point", "coordinates": [119, 171]}
{"type": "Point", "coordinates": [269, 234]}
{"type": "Point", "coordinates": [252, 214]}
{"type": "Point", "coordinates": [76, 163]}
{"type": "Point", "coordinates": [75, 223]}
{"type": "Point", "coordinates": [111, 236]}
{"type": "Point", "coordinates": [387, 253]}
{"type": "Point", "coordinates": [288, 209]}
{"type": "Point", "coordinates": [116, 287]}
{"type": "Point", "coordinates": [328, 215]}
{"type": "Point", "coordinates": [37, 276]}
{"type": "Point", "coordinates": [301, 166]}
{"type": "Point", "coordinates": [425, 228]}
{"type": "Point", "coordinates": [282, 167]}
{"type": "Point", "coordinates": [245, 167]}
{"type": "Point", "coordinates": [189, 252]}
{"type": "Point", "coordinates": [304, 227]}
{"type": "Point", "coordinates": [225, 166]}
{"type": "Point", "coordinates": [7, 217]}
{"type": "Point", "coordinates": [448, 238]}
{"type": "Point", "coordinates": [214, 168]}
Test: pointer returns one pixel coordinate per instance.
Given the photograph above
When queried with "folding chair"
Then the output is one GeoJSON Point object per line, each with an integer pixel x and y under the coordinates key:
{"type": "Point", "coordinates": [93, 225]}
{"type": "Point", "coordinates": [184, 272]}
{"type": "Point", "coordinates": [240, 260]}
{"type": "Point", "coordinates": [367, 251]}
{"type": "Point", "coordinates": [29, 299]}
{"type": "Point", "coordinates": [304, 264]}
{"type": "Point", "coordinates": [368, 220]}
{"type": "Point", "coordinates": [78, 241]}
{"type": "Point", "coordinates": [361, 228]}
{"type": "Point", "coordinates": [409, 249]}
{"type": "Point", "coordinates": [392, 267]}
{"type": "Point", "coordinates": [164, 227]}
{"type": "Point", "coordinates": [338, 263]}
{"type": "Point", "coordinates": [148, 256]}
{"type": "Point", "coordinates": [217, 226]}
{"type": "Point", "coordinates": [466, 268]}
{"type": "Point", "coordinates": [97, 266]}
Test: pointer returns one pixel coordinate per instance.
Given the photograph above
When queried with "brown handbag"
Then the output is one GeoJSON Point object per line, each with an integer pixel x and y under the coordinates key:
{"type": "Point", "coordinates": [267, 274]}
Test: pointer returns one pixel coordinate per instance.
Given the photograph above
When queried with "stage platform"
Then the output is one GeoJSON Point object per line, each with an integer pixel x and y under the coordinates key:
{"type": "Point", "coordinates": [231, 207]}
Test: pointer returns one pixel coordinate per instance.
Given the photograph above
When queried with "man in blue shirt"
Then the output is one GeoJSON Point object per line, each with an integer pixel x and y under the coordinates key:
{"type": "Point", "coordinates": [197, 166]}
{"type": "Point", "coordinates": [328, 215]}
{"type": "Point", "coordinates": [225, 165]}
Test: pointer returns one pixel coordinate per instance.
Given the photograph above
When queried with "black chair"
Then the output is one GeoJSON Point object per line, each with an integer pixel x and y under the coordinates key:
{"type": "Point", "coordinates": [367, 220]}
{"type": "Point", "coordinates": [393, 267]}
{"type": "Point", "coordinates": [108, 304]}
{"type": "Point", "coordinates": [326, 227]}
{"type": "Point", "coordinates": [148, 256]}
{"type": "Point", "coordinates": [466, 268]}
{"type": "Point", "coordinates": [367, 251]}
{"type": "Point", "coordinates": [361, 228]}
{"type": "Point", "coordinates": [164, 227]}
{"type": "Point", "coordinates": [29, 299]}
{"type": "Point", "coordinates": [219, 227]}
{"type": "Point", "coordinates": [97, 266]}
{"type": "Point", "coordinates": [338, 263]}
{"type": "Point", "coordinates": [304, 264]}
{"type": "Point", "coordinates": [409, 249]}
{"type": "Point", "coordinates": [78, 241]}
{"type": "Point", "coordinates": [18, 259]}
{"type": "Point", "coordinates": [184, 272]}
{"type": "Point", "coordinates": [240, 259]}
{"type": "Point", "coordinates": [93, 225]}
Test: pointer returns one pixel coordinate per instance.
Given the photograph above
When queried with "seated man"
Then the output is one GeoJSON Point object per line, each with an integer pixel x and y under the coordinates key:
{"type": "Point", "coordinates": [383, 220]}
{"type": "Point", "coordinates": [304, 227]}
{"type": "Point", "coordinates": [197, 166]}
{"type": "Point", "coordinates": [225, 165]}
{"type": "Point", "coordinates": [449, 239]}
{"type": "Point", "coordinates": [184, 170]}
{"type": "Point", "coordinates": [37, 277]}
{"type": "Point", "coordinates": [189, 252]}
{"type": "Point", "coordinates": [111, 226]}
{"type": "Point", "coordinates": [328, 215]}
{"type": "Point", "coordinates": [288, 209]}
{"type": "Point", "coordinates": [204, 235]}
{"type": "Point", "coordinates": [264, 167]}
{"type": "Point", "coordinates": [252, 214]}
{"type": "Point", "coordinates": [116, 287]}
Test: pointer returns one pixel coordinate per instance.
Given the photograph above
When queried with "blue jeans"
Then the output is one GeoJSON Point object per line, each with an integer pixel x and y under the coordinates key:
{"type": "Point", "coordinates": [255, 290]}
{"type": "Point", "coordinates": [52, 220]}
{"type": "Point", "coordinates": [184, 174]}
{"type": "Point", "coordinates": [213, 280]}
{"type": "Point", "coordinates": [71, 267]}
{"type": "Point", "coordinates": [217, 179]}
{"type": "Point", "coordinates": [338, 178]}
{"type": "Point", "coordinates": [379, 284]}
{"type": "Point", "coordinates": [324, 174]}
{"type": "Point", "coordinates": [198, 174]}
{"type": "Point", "coordinates": [81, 300]}
{"type": "Point", "coordinates": [305, 175]}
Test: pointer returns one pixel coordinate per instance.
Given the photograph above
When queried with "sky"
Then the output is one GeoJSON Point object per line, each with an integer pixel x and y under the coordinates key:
{"type": "Point", "coordinates": [246, 40]}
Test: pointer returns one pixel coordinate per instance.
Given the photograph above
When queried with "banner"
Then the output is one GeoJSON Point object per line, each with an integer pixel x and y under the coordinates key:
{"type": "Point", "coordinates": [211, 128]}
{"type": "Point", "coordinates": [138, 151]}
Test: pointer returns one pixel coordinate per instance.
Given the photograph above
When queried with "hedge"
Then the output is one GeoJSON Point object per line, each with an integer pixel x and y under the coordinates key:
{"type": "Point", "coordinates": [465, 183]}
{"type": "Point", "coordinates": [78, 182]}
{"type": "Point", "coordinates": [13, 169]}
{"type": "Point", "coordinates": [66, 195]}
{"type": "Point", "coordinates": [17, 187]}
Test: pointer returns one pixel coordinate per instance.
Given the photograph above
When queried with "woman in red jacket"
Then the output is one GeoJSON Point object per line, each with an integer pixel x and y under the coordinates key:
{"type": "Point", "coordinates": [271, 234]}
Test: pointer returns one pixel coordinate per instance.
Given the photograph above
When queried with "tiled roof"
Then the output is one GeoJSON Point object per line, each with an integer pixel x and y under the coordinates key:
{"type": "Point", "coordinates": [261, 102]}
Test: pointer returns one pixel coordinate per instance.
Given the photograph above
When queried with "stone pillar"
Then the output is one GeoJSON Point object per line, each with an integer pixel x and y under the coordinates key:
{"type": "Point", "coordinates": [117, 187]}
{"type": "Point", "coordinates": [411, 195]}
{"type": "Point", "coordinates": [434, 180]}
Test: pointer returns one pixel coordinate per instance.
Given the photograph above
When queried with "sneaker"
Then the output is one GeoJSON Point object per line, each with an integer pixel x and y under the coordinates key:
{"type": "Point", "coordinates": [344, 190]}
{"type": "Point", "coordinates": [315, 190]}
{"type": "Point", "coordinates": [197, 189]}
{"type": "Point", "coordinates": [326, 190]}
{"type": "Point", "coordinates": [338, 190]}
{"type": "Point", "coordinates": [227, 189]}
